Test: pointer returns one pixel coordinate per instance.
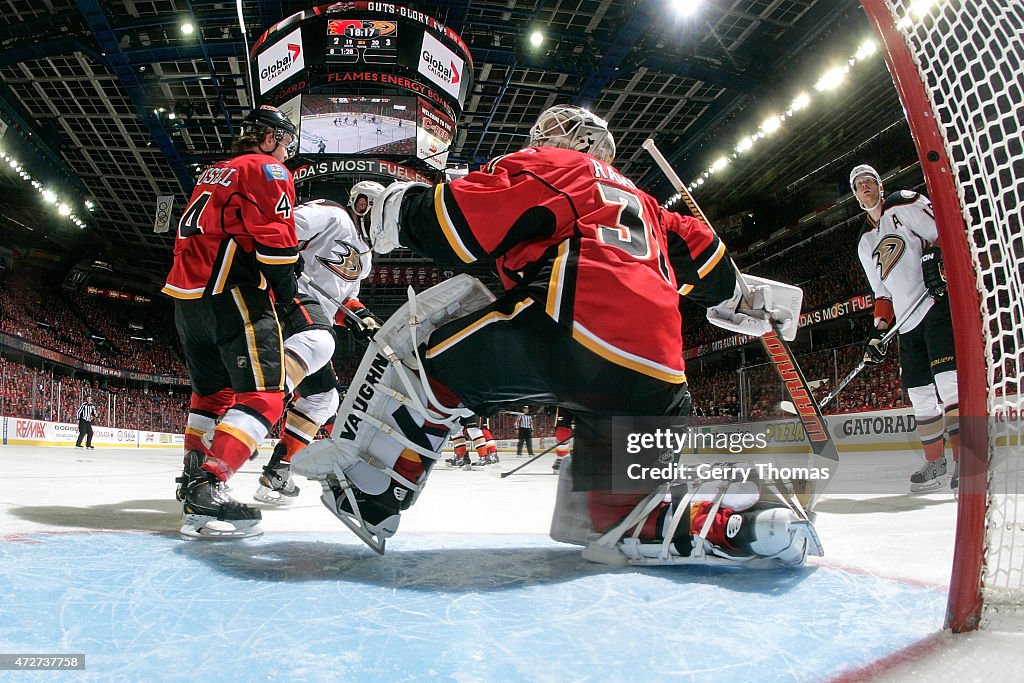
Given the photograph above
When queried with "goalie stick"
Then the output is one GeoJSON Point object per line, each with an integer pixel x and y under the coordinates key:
{"type": "Point", "coordinates": [884, 343]}
{"type": "Point", "coordinates": [782, 357]}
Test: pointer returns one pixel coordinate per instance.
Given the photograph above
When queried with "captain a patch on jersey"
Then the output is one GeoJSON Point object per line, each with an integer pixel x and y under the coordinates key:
{"type": "Point", "coordinates": [275, 172]}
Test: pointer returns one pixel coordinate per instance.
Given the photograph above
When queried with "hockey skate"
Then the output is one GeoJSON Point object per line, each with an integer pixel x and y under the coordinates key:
{"type": "Point", "coordinates": [209, 512]}
{"type": "Point", "coordinates": [374, 518]}
{"type": "Point", "coordinates": [276, 485]}
{"type": "Point", "coordinates": [931, 476]}
{"type": "Point", "coordinates": [954, 479]}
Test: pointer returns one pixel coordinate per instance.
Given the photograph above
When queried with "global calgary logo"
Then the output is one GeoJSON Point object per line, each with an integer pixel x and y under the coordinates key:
{"type": "Point", "coordinates": [449, 74]}
{"type": "Point", "coordinates": [278, 68]}
{"type": "Point", "coordinates": [281, 61]}
{"type": "Point", "coordinates": [441, 65]}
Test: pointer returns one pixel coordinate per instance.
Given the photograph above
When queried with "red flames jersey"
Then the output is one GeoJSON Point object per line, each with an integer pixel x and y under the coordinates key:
{"type": "Point", "coordinates": [598, 254]}
{"type": "Point", "coordinates": [237, 229]}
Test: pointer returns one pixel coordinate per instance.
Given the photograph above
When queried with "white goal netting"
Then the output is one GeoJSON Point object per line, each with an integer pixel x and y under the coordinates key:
{"type": "Point", "coordinates": [970, 56]}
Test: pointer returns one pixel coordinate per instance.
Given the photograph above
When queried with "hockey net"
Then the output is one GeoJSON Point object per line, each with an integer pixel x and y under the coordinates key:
{"type": "Point", "coordinates": [959, 68]}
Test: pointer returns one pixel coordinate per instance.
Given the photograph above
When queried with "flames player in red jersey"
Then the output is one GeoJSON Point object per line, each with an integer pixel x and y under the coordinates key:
{"type": "Point", "coordinates": [234, 256]}
{"type": "Point", "coordinates": [592, 269]}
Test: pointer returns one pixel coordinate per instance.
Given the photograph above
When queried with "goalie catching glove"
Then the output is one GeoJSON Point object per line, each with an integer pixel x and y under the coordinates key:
{"type": "Point", "coordinates": [769, 305]}
{"type": "Point", "coordinates": [383, 229]}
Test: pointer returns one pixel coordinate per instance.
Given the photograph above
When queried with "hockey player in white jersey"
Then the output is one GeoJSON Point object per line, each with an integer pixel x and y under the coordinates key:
{"type": "Point", "coordinates": [899, 252]}
{"type": "Point", "coordinates": [336, 258]}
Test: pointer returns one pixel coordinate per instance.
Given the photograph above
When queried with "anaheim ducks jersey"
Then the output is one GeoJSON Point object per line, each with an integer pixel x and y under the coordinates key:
{"type": "Point", "coordinates": [890, 253]}
{"type": "Point", "coordinates": [583, 242]}
{"type": "Point", "coordinates": [334, 254]}
{"type": "Point", "coordinates": [237, 230]}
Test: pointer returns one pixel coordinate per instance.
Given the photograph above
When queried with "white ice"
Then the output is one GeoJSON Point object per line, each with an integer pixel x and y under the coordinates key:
{"type": "Point", "coordinates": [898, 536]}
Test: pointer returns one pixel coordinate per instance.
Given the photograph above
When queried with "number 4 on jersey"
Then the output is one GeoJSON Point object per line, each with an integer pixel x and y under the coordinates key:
{"type": "Point", "coordinates": [190, 220]}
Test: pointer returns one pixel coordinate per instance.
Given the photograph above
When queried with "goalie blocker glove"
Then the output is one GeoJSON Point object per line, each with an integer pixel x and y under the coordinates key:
{"type": "Point", "coordinates": [769, 304]}
{"type": "Point", "coordinates": [933, 272]}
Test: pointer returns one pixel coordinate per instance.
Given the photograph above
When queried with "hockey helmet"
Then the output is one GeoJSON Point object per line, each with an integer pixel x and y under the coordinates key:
{"type": "Point", "coordinates": [266, 116]}
{"type": "Point", "coordinates": [865, 170]}
{"type": "Point", "coordinates": [572, 127]}
{"type": "Point", "coordinates": [367, 188]}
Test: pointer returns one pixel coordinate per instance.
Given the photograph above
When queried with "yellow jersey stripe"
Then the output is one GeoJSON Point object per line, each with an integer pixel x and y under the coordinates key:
{"type": "Point", "coordinates": [225, 268]}
{"type": "Point", "coordinates": [179, 293]}
{"type": "Point", "coordinates": [685, 289]}
{"type": "Point", "coordinates": [448, 228]}
{"type": "Point", "coordinates": [713, 261]}
{"type": "Point", "coordinates": [492, 317]}
{"type": "Point", "coordinates": [554, 301]}
{"type": "Point", "coordinates": [276, 260]}
{"type": "Point", "coordinates": [626, 359]}
{"type": "Point", "coordinates": [250, 340]}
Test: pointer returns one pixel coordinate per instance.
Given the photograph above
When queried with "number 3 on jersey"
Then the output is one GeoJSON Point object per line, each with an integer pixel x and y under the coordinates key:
{"type": "Point", "coordinates": [190, 220]}
{"type": "Point", "coordinates": [630, 230]}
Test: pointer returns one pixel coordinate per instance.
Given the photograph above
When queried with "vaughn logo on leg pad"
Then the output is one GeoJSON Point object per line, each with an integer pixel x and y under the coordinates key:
{"type": "Point", "coordinates": [363, 396]}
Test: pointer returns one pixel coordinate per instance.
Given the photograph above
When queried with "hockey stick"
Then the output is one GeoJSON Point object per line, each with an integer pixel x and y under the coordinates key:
{"type": "Point", "coordinates": [536, 457]}
{"type": "Point", "coordinates": [305, 279]}
{"type": "Point", "coordinates": [884, 343]}
{"type": "Point", "coordinates": [781, 356]}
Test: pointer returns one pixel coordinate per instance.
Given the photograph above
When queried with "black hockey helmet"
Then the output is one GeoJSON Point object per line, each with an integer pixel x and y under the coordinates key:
{"type": "Point", "coordinates": [265, 116]}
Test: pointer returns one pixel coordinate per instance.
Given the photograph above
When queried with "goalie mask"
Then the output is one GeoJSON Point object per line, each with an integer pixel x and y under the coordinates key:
{"type": "Point", "coordinates": [266, 116]}
{"type": "Point", "coordinates": [571, 127]}
{"type": "Point", "coordinates": [865, 170]}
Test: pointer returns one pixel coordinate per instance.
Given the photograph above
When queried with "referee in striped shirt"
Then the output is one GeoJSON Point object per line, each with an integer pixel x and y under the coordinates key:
{"type": "Point", "coordinates": [86, 413]}
{"type": "Point", "coordinates": [524, 423]}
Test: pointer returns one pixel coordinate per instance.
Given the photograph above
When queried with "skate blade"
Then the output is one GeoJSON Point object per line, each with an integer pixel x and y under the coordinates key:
{"type": "Point", "coordinates": [271, 497]}
{"type": "Point", "coordinates": [936, 484]}
{"type": "Point", "coordinates": [197, 527]}
{"type": "Point", "coordinates": [376, 542]}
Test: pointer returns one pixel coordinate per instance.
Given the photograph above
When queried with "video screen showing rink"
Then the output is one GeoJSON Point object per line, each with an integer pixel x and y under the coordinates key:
{"type": "Point", "coordinates": [357, 125]}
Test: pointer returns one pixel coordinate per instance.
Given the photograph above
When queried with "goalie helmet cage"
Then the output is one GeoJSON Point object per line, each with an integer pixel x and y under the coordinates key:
{"type": "Point", "coordinates": [959, 68]}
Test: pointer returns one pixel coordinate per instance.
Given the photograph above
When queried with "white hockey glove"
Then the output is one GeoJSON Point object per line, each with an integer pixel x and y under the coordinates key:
{"type": "Point", "coordinates": [384, 228]}
{"type": "Point", "coordinates": [769, 303]}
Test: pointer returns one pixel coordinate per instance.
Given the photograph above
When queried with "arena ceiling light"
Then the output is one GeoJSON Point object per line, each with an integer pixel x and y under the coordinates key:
{"type": "Point", "coordinates": [830, 80]}
{"type": "Point", "coordinates": [536, 38]}
{"type": "Point", "coordinates": [686, 8]}
{"type": "Point", "coordinates": [188, 28]}
{"type": "Point", "coordinates": [48, 195]}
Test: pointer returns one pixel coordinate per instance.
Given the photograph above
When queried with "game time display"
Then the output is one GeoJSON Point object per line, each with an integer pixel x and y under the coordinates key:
{"type": "Point", "coordinates": [370, 41]}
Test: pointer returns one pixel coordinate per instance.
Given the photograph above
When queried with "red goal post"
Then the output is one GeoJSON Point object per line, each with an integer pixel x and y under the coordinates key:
{"type": "Point", "coordinates": [958, 66]}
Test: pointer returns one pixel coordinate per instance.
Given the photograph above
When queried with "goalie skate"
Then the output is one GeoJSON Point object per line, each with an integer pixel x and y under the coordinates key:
{"type": "Point", "coordinates": [389, 412]}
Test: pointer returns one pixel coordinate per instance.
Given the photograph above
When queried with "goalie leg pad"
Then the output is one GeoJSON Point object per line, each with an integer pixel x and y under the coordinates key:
{"type": "Point", "coordinates": [390, 412]}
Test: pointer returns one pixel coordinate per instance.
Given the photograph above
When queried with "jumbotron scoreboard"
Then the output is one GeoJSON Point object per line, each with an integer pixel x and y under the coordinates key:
{"type": "Point", "coordinates": [366, 41]}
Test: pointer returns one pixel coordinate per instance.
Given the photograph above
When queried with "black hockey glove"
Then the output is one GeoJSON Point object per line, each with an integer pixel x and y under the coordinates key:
{"type": "Point", "coordinates": [300, 265]}
{"type": "Point", "coordinates": [933, 272]}
{"type": "Point", "coordinates": [874, 351]}
{"type": "Point", "coordinates": [363, 333]}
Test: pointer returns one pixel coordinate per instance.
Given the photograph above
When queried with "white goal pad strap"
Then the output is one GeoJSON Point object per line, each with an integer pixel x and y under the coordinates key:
{"type": "Point", "coordinates": [388, 403]}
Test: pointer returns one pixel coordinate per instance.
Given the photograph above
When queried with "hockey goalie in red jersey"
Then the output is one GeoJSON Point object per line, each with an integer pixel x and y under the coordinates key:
{"type": "Point", "coordinates": [234, 256]}
{"type": "Point", "coordinates": [593, 269]}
